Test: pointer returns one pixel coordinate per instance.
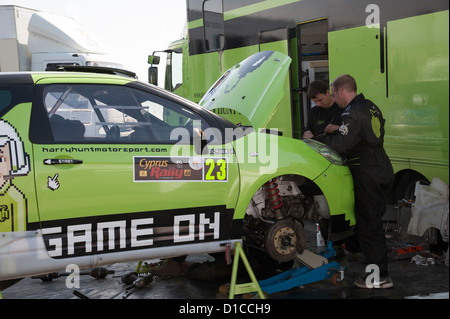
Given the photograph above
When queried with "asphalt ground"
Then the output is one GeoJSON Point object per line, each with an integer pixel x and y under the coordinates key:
{"type": "Point", "coordinates": [201, 276]}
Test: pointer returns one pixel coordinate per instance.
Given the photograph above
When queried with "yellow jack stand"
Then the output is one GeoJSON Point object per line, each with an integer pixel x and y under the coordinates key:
{"type": "Point", "coordinates": [247, 287]}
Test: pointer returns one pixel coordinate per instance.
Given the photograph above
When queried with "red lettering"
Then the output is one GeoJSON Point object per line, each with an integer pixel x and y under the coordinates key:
{"type": "Point", "coordinates": [158, 172]}
{"type": "Point", "coordinates": [155, 172]}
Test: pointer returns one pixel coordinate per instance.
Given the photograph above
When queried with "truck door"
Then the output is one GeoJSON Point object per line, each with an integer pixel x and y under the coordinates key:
{"type": "Point", "coordinates": [312, 57]}
{"type": "Point", "coordinates": [109, 177]}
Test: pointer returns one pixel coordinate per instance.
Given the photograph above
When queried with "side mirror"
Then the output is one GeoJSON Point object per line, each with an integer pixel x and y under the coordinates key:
{"type": "Point", "coordinates": [153, 59]}
{"type": "Point", "coordinates": [153, 75]}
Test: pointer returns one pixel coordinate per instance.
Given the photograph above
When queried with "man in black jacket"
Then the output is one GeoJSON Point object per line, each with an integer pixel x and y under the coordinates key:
{"type": "Point", "coordinates": [360, 141]}
{"type": "Point", "coordinates": [324, 113]}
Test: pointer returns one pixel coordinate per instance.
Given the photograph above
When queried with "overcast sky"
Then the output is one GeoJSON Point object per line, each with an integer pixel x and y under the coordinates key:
{"type": "Point", "coordinates": [130, 30]}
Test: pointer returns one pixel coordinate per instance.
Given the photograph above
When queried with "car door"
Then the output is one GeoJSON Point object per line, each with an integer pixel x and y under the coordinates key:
{"type": "Point", "coordinates": [116, 169]}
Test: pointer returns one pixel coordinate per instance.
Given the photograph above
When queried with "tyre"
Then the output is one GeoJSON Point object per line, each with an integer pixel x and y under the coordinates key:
{"type": "Point", "coordinates": [406, 185]}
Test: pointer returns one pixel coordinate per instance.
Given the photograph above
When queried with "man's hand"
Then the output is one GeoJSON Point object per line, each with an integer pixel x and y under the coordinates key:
{"type": "Point", "coordinates": [331, 128]}
{"type": "Point", "coordinates": [308, 134]}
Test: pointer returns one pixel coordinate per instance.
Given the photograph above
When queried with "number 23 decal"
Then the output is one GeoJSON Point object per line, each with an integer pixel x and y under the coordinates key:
{"type": "Point", "coordinates": [216, 169]}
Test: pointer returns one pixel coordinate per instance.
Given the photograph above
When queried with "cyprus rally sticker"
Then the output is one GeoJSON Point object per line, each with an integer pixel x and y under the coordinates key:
{"type": "Point", "coordinates": [187, 169]}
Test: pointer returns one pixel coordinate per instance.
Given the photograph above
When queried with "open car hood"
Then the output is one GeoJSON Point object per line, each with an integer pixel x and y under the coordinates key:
{"type": "Point", "coordinates": [253, 87]}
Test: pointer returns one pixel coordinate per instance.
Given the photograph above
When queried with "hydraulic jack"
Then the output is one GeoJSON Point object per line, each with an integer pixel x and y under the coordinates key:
{"type": "Point", "coordinates": [315, 268]}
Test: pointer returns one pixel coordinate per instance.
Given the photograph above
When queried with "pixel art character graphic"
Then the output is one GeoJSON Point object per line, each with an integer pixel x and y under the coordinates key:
{"type": "Point", "coordinates": [14, 161]}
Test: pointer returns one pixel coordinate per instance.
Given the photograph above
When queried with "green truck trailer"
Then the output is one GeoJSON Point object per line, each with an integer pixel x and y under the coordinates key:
{"type": "Point", "coordinates": [396, 50]}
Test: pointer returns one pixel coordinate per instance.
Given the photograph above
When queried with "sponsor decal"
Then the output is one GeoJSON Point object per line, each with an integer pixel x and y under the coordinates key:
{"type": "Point", "coordinates": [343, 129]}
{"type": "Point", "coordinates": [102, 149]}
{"type": "Point", "coordinates": [187, 169]}
{"type": "Point", "coordinates": [14, 163]}
{"type": "Point", "coordinates": [114, 233]}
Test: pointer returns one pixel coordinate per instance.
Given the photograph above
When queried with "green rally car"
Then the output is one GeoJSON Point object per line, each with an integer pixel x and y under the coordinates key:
{"type": "Point", "coordinates": [98, 168]}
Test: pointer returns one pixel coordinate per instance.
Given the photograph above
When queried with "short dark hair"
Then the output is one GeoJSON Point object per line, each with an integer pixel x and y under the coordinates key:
{"type": "Point", "coordinates": [346, 82]}
{"type": "Point", "coordinates": [317, 87]}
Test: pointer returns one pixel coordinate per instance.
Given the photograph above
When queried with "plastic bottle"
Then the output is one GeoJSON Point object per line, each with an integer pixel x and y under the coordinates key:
{"type": "Point", "coordinates": [319, 237]}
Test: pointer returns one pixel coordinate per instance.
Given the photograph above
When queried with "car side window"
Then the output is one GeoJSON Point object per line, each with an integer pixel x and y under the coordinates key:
{"type": "Point", "coordinates": [11, 95]}
{"type": "Point", "coordinates": [88, 113]}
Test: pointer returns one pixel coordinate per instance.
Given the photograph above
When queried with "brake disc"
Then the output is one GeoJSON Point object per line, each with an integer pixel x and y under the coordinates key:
{"type": "Point", "coordinates": [282, 240]}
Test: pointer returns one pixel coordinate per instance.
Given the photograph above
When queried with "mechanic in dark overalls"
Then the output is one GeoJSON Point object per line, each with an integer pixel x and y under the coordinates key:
{"type": "Point", "coordinates": [324, 113]}
{"type": "Point", "coordinates": [360, 141]}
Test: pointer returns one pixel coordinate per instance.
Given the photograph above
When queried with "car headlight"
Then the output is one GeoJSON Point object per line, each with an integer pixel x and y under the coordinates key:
{"type": "Point", "coordinates": [331, 155]}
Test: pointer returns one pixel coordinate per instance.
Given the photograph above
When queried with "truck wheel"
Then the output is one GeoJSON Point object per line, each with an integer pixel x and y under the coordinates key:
{"type": "Point", "coordinates": [406, 185]}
